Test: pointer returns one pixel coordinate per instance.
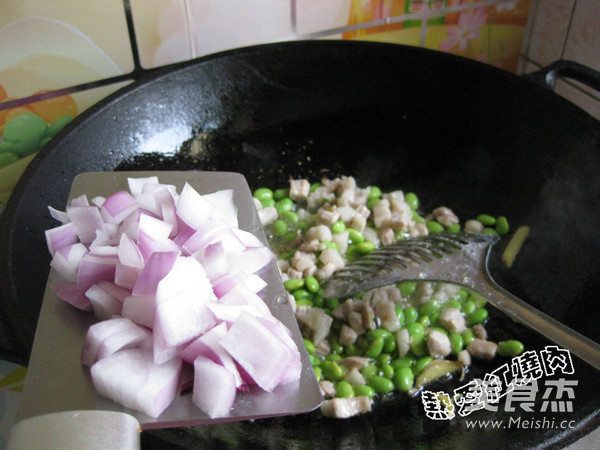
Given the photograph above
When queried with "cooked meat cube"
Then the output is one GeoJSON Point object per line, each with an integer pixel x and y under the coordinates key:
{"type": "Point", "coordinates": [438, 344]}
{"type": "Point", "coordinates": [403, 342]}
{"type": "Point", "coordinates": [347, 335]}
{"type": "Point", "coordinates": [445, 216]}
{"type": "Point", "coordinates": [299, 189]}
{"type": "Point", "coordinates": [354, 362]}
{"type": "Point", "coordinates": [302, 260]}
{"type": "Point", "coordinates": [453, 320]}
{"type": "Point", "coordinates": [473, 226]}
{"type": "Point", "coordinates": [267, 215]}
{"type": "Point", "coordinates": [317, 321]}
{"type": "Point", "coordinates": [385, 309]}
{"type": "Point", "coordinates": [327, 388]}
{"type": "Point", "coordinates": [354, 377]}
{"type": "Point", "coordinates": [342, 408]}
{"type": "Point", "coordinates": [480, 332]}
{"type": "Point", "coordinates": [464, 357]}
{"type": "Point", "coordinates": [481, 349]}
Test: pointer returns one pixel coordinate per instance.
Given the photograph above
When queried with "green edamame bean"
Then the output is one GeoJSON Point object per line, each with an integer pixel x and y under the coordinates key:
{"type": "Point", "coordinates": [421, 363]}
{"type": "Point", "coordinates": [315, 186]}
{"type": "Point", "coordinates": [386, 370]}
{"type": "Point", "coordinates": [383, 358]}
{"type": "Point", "coordinates": [378, 332]}
{"type": "Point", "coordinates": [425, 321]}
{"type": "Point", "coordinates": [403, 379]}
{"type": "Point", "coordinates": [410, 315]}
{"type": "Point", "coordinates": [290, 217]}
{"type": "Point", "coordinates": [430, 308]}
{"type": "Point", "coordinates": [462, 295]}
{"type": "Point", "coordinates": [330, 244]}
{"type": "Point", "coordinates": [407, 288]}
{"type": "Point", "coordinates": [318, 373]}
{"type": "Point", "coordinates": [338, 227]}
{"type": "Point", "coordinates": [332, 303]}
{"type": "Point", "coordinates": [418, 218]}
{"type": "Point", "coordinates": [375, 347]}
{"type": "Point", "coordinates": [355, 236]}
{"type": "Point", "coordinates": [468, 307]}
{"type": "Point", "coordinates": [343, 389]}
{"type": "Point", "coordinates": [267, 202]}
{"type": "Point", "coordinates": [502, 226]}
{"type": "Point", "coordinates": [415, 329]}
{"type": "Point", "coordinates": [315, 361]}
{"type": "Point", "coordinates": [332, 371]}
{"type": "Point", "coordinates": [293, 283]}
{"type": "Point", "coordinates": [452, 304]}
{"type": "Point", "coordinates": [364, 390]}
{"type": "Point", "coordinates": [407, 361]}
{"type": "Point", "coordinates": [280, 193]}
{"type": "Point", "coordinates": [440, 329]}
{"type": "Point", "coordinates": [263, 194]}
{"type": "Point", "coordinates": [310, 346]}
{"type": "Point", "coordinates": [401, 235]}
{"type": "Point", "coordinates": [304, 302]}
{"type": "Point", "coordinates": [479, 301]}
{"type": "Point", "coordinates": [372, 201]}
{"type": "Point", "coordinates": [380, 384]}
{"type": "Point", "coordinates": [434, 227]}
{"type": "Point", "coordinates": [318, 299]}
{"type": "Point", "coordinates": [418, 345]}
{"type": "Point", "coordinates": [351, 350]}
{"type": "Point", "coordinates": [311, 284]}
{"type": "Point", "coordinates": [374, 191]}
{"type": "Point", "coordinates": [333, 357]}
{"type": "Point", "coordinates": [412, 200]}
{"type": "Point", "coordinates": [369, 370]}
{"type": "Point", "coordinates": [478, 316]}
{"type": "Point", "coordinates": [489, 230]}
{"type": "Point", "coordinates": [365, 247]}
{"type": "Point", "coordinates": [510, 348]}
{"type": "Point", "coordinates": [456, 343]}
{"type": "Point", "coordinates": [486, 219]}
{"type": "Point", "coordinates": [285, 204]}
{"type": "Point", "coordinates": [290, 236]}
{"type": "Point", "coordinates": [400, 315]}
{"type": "Point", "coordinates": [300, 294]}
{"type": "Point", "coordinates": [455, 228]}
{"type": "Point", "coordinates": [468, 336]}
{"type": "Point", "coordinates": [280, 227]}
{"type": "Point", "coordinates": [390, 343]}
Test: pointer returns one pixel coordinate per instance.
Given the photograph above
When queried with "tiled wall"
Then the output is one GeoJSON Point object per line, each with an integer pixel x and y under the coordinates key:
{"type": "Point", "coordinates": [56, 60]}
{"type": "Point", "coordinates": [565, 29]}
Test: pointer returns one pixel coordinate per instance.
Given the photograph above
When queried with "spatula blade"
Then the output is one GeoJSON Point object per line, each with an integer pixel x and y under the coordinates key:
{"type": "Point", "coordinates": [57, 381]}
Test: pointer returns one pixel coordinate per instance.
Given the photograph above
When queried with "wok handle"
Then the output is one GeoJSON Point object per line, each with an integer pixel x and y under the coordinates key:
{"type": "Point", "coordinates": [548, 75]}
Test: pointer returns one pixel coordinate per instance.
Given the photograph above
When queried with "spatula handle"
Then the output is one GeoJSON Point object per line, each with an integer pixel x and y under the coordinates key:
{"type": "Point", "coordinates": [522, 312]}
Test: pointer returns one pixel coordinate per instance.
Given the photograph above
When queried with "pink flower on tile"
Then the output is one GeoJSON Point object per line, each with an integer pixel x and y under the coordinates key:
{"type": "Point", "coordinates": [469, 25]}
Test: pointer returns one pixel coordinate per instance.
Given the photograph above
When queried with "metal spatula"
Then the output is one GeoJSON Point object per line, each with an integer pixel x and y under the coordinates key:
{"type": "Point", "coordinates": [455, 258]}
{"type": "Point", "coordinates": [57, 381]}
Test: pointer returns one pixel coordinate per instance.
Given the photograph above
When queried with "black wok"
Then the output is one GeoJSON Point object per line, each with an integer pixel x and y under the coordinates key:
{"type": "Point", "coordinates": [457, 132]}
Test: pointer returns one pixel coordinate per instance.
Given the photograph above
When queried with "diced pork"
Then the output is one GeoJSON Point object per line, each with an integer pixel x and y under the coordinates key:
{"type": "Point", "coordinates": [481, 349]}
{"type": "Point", "coordinates": [438, 344]}
{"type": "Point", "coordinates": [342, 408]}
{"type": "Point", "coordinates": [453, 320]}
{"type": "Point", "coordinates": [299, 189]}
